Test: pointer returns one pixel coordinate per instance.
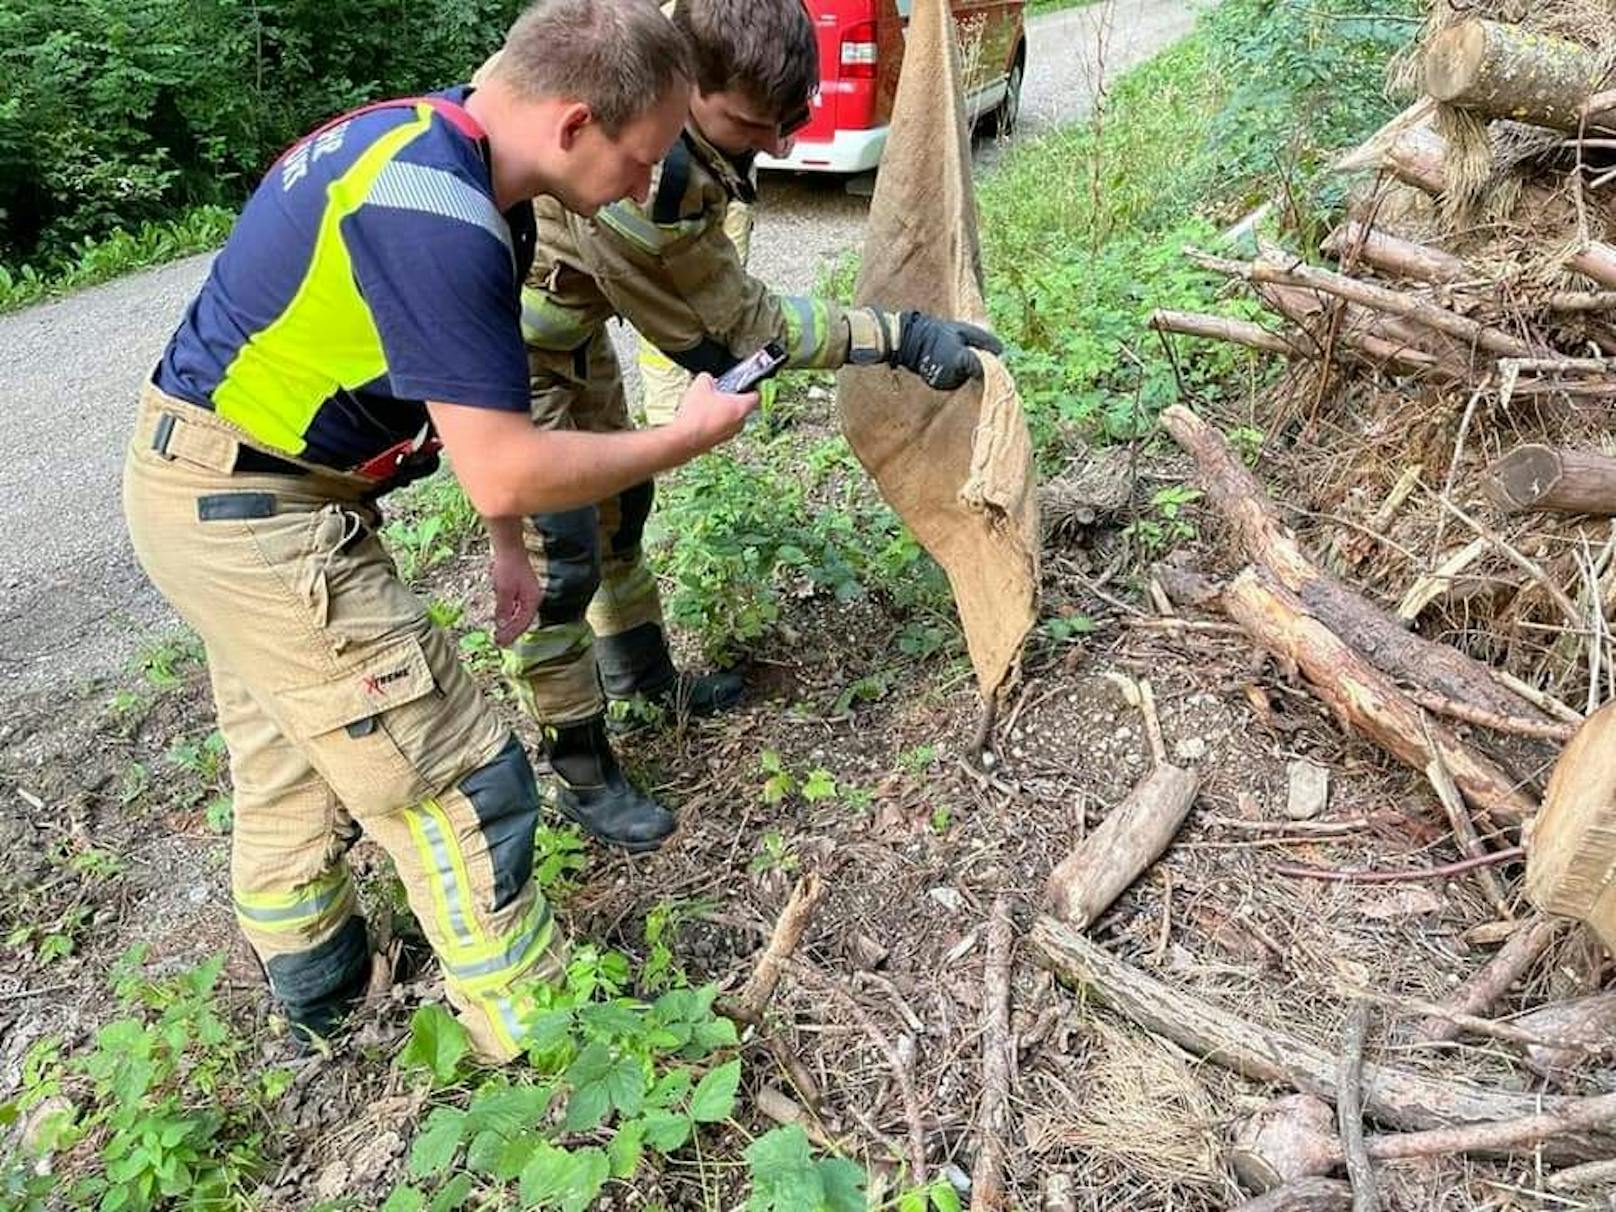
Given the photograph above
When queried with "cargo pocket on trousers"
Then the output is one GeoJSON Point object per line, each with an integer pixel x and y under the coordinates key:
{"type": "Point", "coordinates": [351, 725]}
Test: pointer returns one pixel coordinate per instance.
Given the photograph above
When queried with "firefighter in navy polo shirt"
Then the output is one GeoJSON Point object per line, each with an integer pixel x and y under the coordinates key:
{"type": "Point", "coordinates": [365, 308]}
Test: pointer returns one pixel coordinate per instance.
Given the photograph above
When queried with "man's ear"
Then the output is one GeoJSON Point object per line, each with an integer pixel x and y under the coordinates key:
{"type": "Point", "coordinates": [573, 121]}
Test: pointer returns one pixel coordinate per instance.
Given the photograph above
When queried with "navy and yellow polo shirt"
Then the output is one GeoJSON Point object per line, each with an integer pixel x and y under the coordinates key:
{"type": "Point", "coordinates": [370, 271]}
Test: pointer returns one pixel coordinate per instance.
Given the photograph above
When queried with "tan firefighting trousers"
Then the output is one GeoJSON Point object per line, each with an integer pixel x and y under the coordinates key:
{"type": "Point", "coordinates": [341, 704]}
{"type": "Point", "coordinates": [664, 381]}
{"type": "Point", "coordinates": [591, 565]}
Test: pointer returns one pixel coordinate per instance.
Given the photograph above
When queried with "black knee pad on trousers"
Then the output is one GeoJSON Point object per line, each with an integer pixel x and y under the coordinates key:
{"type": "Point", "coordinates": [505, 796]}
{"type": "Point", "coordinates": [571, 563]}
{"type": "Point", "coordinates": [318, 987]}
{"type": "Point", "coordinates": [633, 509]}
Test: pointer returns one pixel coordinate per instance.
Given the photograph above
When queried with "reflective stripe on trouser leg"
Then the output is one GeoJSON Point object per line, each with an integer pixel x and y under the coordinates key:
{"type": "Point", "coordinates": [294, 898]}
{"type": "Point", "coordinates": [628, 595]}
{"type": "Point", "coordinates": [551, 668]}
{"type": "Point", "coordinates": [470, 882]}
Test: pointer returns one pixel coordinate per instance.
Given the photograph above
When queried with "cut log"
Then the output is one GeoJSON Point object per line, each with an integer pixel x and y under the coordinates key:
{"type": "Point", "coordinates": [1587, 1025]}
{"type": "Point", "coordinates": [1303, 1195]}
{"type": "Point", "coordinates": [1492, 980]}
{"type": "Point", "coordinates": [1417, 156]}
{"type": "Point", "coordinates": [1132, 837]}
{"type": "Point", "coordinates": [1221, 328]}
{"type": "Point", "coordinates": [1363, 698]}
{"type": "Point", "coordinates": [1596, 261]}
{"type": "Point", "coordinates": [1571, 853]}
{"type": "Point", "coordinates": [1397, 1098]}
{"type": "Point", "coordinates": [1503, 71]}
{"type": "Point", "coordinates": [1391, 648]}
{"type": "Point", "coordinates": [1552, 479]}
{"type": "Point", "coordinates": [1394, 255]}
{"type": "Point", "coordinates": [1286, 1139]}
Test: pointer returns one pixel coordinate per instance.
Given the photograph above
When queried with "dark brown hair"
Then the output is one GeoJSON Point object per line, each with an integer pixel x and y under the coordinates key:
{"type": "Point", "coordinates": [764, 48]}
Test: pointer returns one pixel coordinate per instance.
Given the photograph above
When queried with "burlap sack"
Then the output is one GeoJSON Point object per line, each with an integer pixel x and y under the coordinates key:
{"type": "Point", "coordinates": [958, 469]}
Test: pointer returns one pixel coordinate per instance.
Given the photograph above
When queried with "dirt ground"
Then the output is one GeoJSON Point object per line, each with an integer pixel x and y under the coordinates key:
{"type": "Point", "coordinates": [914, 847]}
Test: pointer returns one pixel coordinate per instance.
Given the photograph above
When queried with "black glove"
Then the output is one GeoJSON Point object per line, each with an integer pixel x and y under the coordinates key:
{"type": "Point", "coordinates": [941, 351]}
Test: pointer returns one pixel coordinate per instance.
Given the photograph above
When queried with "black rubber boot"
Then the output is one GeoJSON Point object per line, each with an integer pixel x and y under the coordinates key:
{"type": "Point", "coordinates": [595, 793]}
{"type": "Point", "coordinates": [637, 672]}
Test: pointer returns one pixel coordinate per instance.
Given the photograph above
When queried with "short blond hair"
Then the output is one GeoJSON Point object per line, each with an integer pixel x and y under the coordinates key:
{"type": "Point", "coordinates": [619, 57]}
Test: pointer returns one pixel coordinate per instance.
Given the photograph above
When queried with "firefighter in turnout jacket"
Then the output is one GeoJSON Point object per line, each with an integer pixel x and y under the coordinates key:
{"type": "Point", "coordinates": [667, 266]}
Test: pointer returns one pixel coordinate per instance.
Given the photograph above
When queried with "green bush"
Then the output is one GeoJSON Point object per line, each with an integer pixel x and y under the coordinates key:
{"type": "Point", "coordinates": [115, 113]}
{"type": "Point", "coordinates": [1084, 229]}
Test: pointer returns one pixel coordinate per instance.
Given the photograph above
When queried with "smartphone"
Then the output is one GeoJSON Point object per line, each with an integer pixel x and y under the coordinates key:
{"type": "Point", "coordinates": [747, 374]}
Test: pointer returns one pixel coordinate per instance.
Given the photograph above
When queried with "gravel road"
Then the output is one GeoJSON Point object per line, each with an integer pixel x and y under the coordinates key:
{"type": "Point", "coordinates": [74, 605]}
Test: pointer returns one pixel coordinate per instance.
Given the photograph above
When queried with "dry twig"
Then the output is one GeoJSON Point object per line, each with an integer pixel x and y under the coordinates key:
{"type": "Point", "coordinates": [987, 1177]}
{"type": "Point", "coordinates": [1349, 1110]}
{"type": "Point", "coordinates": [900, 1071]}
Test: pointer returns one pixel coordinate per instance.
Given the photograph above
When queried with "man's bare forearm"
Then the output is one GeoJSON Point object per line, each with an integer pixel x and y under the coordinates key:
{"type": "Point", "coordinates": [509, 469]}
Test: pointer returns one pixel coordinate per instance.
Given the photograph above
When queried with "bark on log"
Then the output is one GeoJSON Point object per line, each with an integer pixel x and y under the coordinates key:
{"type": "Point", "coordinates": [1581, 1178]}
{"type": "Point", "coordinates": [1417, 155]}
{"type": "Point", "coordinates": [1367, 294]}
{"type": "Point", "coordinates": [1132, 837]}
{"type": "Point", "coordinates": [1533, 476]}
{"type": "Point", "coordinates": [1391, 648]}
{"type": "Point", "coordinates": [1393, 254]}
{"type": "Point", "coordinates": [1569, 1115]}
{"type": "Point", "coordinates": [1381, 341]}
{"type": "Point", "coordinates": [1503, 71]}
{"type": "Point", "coordinates": [1398, 1098]}
{"type": "Point", "coordinates": [1221, 328]}
{"type": "Point", "coordinates": [1303, 1195]}
{"type": "Point", "coordinates": [1364, 699]}
{"type": "Point", "coordinates": [1588, 1021]}
{"type": "Point", "coordinates": [1349, 1111]}
{"type": "Point", "coordinates": [1492, 980]}
{"type": "Point", "coordinates": [1596, 261]}
{"type": "Point", "coordinates": [993, 1121]}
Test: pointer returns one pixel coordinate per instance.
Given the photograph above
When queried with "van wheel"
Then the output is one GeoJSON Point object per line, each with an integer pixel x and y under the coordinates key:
{"type": "Point", "coordinates": [1009, 111]}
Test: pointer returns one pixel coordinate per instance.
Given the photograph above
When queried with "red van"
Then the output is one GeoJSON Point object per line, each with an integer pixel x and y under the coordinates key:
{"type": "Point", "coordinates": [860, 54]}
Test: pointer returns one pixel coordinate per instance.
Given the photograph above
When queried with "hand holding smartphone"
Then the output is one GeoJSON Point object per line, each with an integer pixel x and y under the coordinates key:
{"type": "Point", "coordinates": [746, 374]}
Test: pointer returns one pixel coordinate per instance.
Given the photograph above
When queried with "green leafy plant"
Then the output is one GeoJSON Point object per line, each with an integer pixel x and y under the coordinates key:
{"type": "Point", "coordinates": [774, 854]}
{"type": "Point", "coordinates": [787, 1177]}
{"type": "Point", "coordinates": [165, 1097]}
{"type": "Point", "coordinates": [609, 1079]}
{"type": "Point", "coordinates": [1168, 526]}
{"type": "Point", "coordinates": [778, 782]}
{"type": "Point", "coordinates": [1064, 628]}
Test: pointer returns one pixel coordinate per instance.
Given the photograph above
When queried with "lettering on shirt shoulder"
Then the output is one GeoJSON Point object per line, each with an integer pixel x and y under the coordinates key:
{"type": "Point", "coordinates": [324, 143]}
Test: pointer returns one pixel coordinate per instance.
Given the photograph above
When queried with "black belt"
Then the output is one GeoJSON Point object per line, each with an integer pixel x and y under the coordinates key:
{"type": "Point", "coordinates": [261, 463]}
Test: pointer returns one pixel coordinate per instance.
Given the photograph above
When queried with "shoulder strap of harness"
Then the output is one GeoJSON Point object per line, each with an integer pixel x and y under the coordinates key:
{"type": "Point", "coordinates": [455, 114]}
{"type": "Point", "coordinates": [666, 207]}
